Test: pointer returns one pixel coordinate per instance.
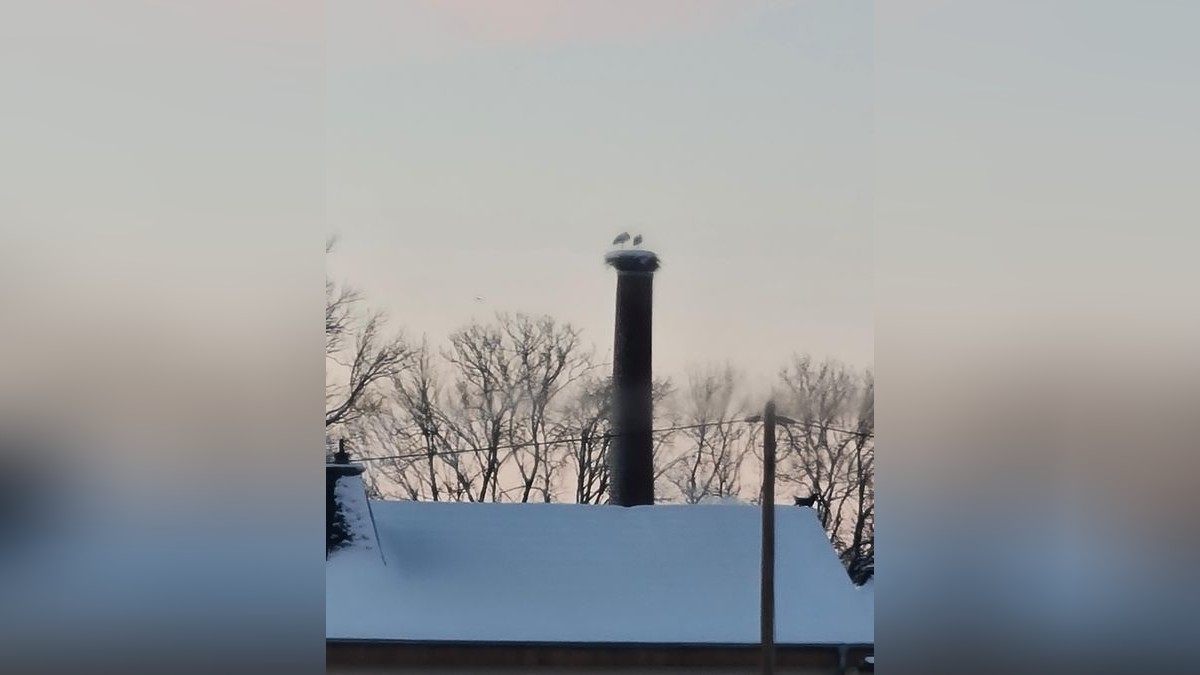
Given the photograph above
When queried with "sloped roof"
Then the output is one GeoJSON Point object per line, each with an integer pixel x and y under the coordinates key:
{"type": "Point", "coordinates": [568, 573]}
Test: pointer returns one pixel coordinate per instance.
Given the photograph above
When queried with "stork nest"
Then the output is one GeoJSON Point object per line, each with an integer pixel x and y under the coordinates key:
{"type": "Point", "coordinates": [633, 260]}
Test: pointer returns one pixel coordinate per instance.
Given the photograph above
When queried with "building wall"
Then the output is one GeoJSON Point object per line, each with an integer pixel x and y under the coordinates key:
{"type": "Point", "coordinates": [609, 670]}
{"type": "Point", "coordinates": [385, 659]}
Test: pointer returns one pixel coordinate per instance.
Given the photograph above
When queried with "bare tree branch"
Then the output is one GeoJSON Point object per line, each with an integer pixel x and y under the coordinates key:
{"type": "Point", "coordinates": [835, 467]}
{"type": "Point", "coordinates": [359, 358]}
{"type": "Point", "coordinates": [709, 466]}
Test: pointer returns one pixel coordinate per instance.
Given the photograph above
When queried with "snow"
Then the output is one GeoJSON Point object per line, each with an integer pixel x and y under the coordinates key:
{"type": "Point", "coordinates": [630, 253]}
{"type": "Point", "coordinates": [580, 573]}
{"type": "Point", "coordinates": [633, 254]}
{"type": "Point", "coordinates": [356, 510]}
{"type": "Point", "coordinates": [866, 597]}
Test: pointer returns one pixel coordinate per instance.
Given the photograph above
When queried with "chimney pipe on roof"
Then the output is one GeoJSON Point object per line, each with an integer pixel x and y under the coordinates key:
{"type": "Point", "coordinates": [631, 455]}
{"type": "Point", "coordinates": [341, 456]}
{"type": "Point", "coordinates": [339, 468]}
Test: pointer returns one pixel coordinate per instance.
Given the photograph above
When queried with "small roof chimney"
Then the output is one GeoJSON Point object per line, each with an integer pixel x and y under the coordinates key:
{"type": "Point", "coordinates": [340, 474]}
{"type": "Point", "coordinates": [341, 456]}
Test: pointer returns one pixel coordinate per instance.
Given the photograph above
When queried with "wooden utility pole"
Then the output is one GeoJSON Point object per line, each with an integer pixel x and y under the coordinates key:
{"type": "Point", "coordinates": [768, 542]}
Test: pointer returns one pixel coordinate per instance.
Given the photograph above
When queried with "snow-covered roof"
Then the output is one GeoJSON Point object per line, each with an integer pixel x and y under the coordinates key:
{"type": "Point", "coordinates": [568, 573]}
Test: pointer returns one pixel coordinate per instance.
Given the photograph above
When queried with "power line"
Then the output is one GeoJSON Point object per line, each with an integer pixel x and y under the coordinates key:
{"type": "Point", "coordinates": [600, 437]}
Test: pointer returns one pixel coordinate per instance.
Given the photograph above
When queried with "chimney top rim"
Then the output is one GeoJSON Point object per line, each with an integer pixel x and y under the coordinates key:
{"type": "Point", "coordinates": [633, 260]}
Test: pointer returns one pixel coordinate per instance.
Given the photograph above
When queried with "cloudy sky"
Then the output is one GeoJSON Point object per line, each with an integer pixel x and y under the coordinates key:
{"type": "Point", "coordinates": [493, 150]}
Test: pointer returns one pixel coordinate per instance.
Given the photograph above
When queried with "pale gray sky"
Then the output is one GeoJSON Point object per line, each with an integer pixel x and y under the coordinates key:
{"type": "Point", "coordinates": [494, 150]}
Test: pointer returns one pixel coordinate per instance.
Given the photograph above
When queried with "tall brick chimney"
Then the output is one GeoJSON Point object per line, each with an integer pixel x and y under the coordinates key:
{"type": "Point", "coordinates": [631, 455]}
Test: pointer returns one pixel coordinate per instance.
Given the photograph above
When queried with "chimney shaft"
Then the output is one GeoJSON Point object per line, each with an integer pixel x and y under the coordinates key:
{"type": "Point", "coordinates": [631, 459]}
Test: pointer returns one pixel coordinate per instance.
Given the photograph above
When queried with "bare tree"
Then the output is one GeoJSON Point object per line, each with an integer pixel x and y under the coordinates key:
{"type": "Point", "coordinates": [662, 391]}
{"type": "Point", "coordinates": [712, 447]}
{"type": "Point", "coordinates": [360, 356]}
{"type": "Point", "coordinates": [413, 448]}
{"type": "Point", "coordinates": [547, 359]}
{"type": "Point", "coordinates": [495, 433]}
{"type": "Point", "coordinates": [583, 432]}
{"type": "Point", "coordinates": [419, 394]}
{"type": "Point", "coordinates": [481, 408]}
{"type": "Point", "coordinates": [831, 452]}
{"type": "Point", "coordinates": [583, 435]}
{"type": "Point", "coordinates": [859, 554]}
{"type": "Point", "coordinates": [340, 301]}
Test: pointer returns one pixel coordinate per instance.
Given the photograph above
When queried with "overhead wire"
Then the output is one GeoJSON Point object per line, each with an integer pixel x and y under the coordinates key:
{"type": "Point", "coordinates": [600, 437]}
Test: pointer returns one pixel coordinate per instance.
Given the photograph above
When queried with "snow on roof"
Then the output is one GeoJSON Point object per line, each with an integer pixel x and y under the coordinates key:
{"type": "Point", "coordinates": [866, 595]}
{"type": "Point", "coordinates": [589, 574]}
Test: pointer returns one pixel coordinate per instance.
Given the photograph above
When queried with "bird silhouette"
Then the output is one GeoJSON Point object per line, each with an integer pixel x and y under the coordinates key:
{"type": "Point", "coordinates": [621, 238]}
{"type": "Point", "coordinates": [806, 501]}
{"type": "Point", "coordinates": [637, 241]}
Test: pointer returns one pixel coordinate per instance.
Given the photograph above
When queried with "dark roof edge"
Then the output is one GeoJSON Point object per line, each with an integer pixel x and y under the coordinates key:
{"type": "Point", "coordinates": [594, 645]}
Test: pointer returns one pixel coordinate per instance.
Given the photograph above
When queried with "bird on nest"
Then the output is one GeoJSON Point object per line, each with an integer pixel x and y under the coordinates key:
{"type": "Point", "coordinates": [624, 237]}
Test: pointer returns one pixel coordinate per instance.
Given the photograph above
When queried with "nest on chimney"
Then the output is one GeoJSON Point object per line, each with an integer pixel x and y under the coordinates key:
{"type": "Point", "coordinates": [633, 260]}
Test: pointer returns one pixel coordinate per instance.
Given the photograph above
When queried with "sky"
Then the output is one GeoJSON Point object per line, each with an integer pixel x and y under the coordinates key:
{"type": "Point", "coordinates": [493, 150]}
